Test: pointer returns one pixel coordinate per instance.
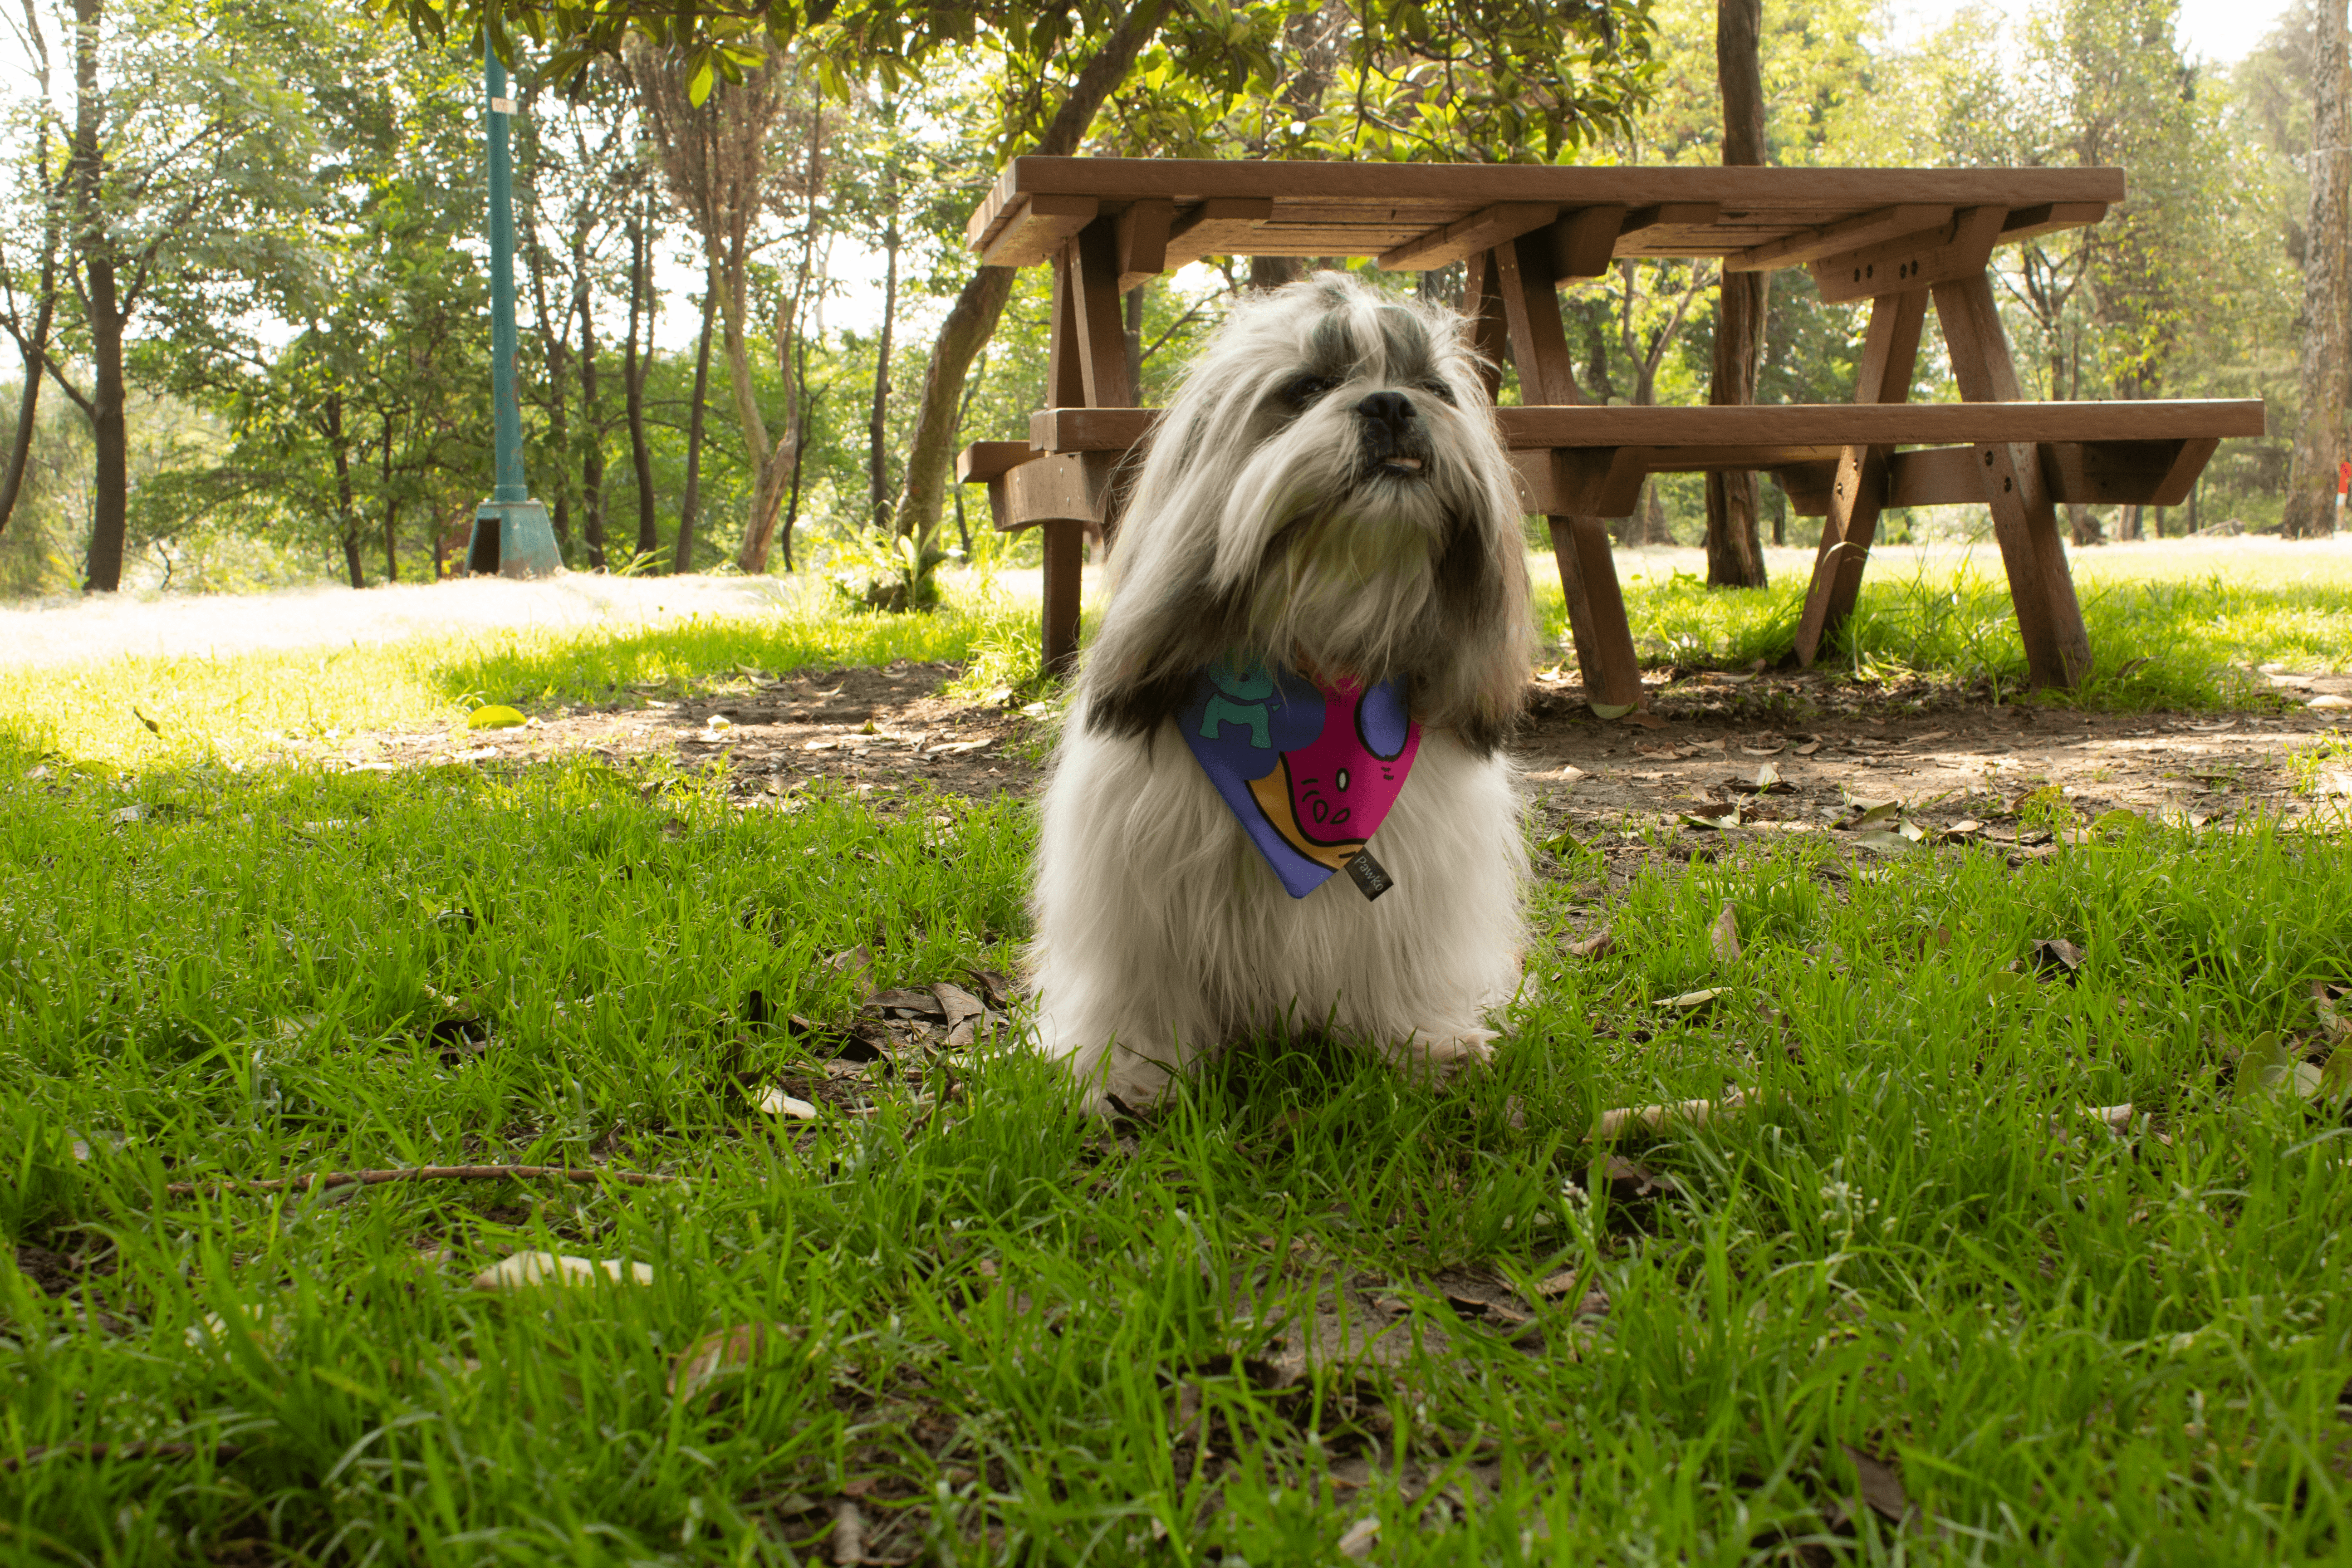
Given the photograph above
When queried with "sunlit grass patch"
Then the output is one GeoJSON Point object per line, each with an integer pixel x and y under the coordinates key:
{"type": "Point", "coordinates": [241, 706]}
{"type": "Point", "coordinates": [2154, 643]}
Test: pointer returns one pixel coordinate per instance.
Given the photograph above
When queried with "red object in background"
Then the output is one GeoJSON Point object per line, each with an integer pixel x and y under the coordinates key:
{"type": "Point", "coordinates": [2344, 479]}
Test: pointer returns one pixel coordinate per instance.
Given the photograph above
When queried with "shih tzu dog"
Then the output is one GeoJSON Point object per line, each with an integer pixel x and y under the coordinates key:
{"type": "Point", "coordinates": [1316, 644]}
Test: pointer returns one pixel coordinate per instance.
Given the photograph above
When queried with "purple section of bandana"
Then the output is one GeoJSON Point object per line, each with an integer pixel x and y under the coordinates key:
{"type": "Point", "coordinates": [1309, 772]}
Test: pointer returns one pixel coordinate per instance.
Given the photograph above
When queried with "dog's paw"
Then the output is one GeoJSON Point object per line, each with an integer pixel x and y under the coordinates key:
{"type": "Point", "coordinates": [1445, 1055]}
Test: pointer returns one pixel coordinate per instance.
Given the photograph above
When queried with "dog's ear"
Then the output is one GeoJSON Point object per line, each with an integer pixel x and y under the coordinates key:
{"type": "Point", "coordinates": [1148, 657]}
{"type": "Point", "coordinates": [1129, 708]}
{"type": "Point", "coordinates": [1479, 688]}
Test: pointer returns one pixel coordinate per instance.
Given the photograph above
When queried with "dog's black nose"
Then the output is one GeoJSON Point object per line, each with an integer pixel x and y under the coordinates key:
{"type": "Point", "coordinates": [1393, 409]}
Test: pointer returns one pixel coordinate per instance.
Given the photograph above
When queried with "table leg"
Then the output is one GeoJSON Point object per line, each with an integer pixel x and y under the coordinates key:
{"type": "Point", "coordinates": [1596, 612]}
{"type": "Point", "coordinates": [1522, 273]}
{"type": "Point", "coordinates": [2024, 519]}
{"type": "Point", "coordinates": [1085, 367]}
{"type": "Point", "coordinates": [1890, 355]}
{"type": "Point", "coordinates": [1065, 543]}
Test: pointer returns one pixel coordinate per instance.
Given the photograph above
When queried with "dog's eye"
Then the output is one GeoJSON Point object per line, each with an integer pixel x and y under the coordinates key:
{"type": "Point", "coordinates": [1301, 390]}
{"type": "Point", "coordinates": [1440, 390]}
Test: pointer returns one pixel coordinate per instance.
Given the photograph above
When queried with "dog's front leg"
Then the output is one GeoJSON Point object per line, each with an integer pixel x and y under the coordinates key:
{"type": "Point", "coordinates": [1123, 907]}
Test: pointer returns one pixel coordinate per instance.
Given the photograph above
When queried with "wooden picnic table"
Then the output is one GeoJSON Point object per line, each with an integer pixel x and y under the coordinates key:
{"type": "Point", "coordinates": [1900, 239]}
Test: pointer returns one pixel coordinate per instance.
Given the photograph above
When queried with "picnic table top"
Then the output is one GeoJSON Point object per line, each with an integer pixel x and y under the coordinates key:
{"type": "Point", "coordinates": [1410, 213]}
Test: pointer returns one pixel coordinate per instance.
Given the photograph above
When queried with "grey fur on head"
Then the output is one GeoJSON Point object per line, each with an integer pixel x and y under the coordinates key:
{"type": "Point", "coordinates": [1327, 489]}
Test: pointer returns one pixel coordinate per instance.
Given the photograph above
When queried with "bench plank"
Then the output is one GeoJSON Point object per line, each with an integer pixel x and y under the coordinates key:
{"type": "Point", "coordinates": [1795, 426]}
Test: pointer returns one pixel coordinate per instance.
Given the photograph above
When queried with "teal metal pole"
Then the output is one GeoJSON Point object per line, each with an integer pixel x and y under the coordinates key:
{"type": "Point", "coordinates": [512, 536]}
{"type": "Point", "coordinates": [511, 485]}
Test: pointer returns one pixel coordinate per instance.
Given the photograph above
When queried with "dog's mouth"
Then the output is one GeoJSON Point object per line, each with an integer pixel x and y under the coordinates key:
{"type": "Point", "coordinates": [1400, 464]}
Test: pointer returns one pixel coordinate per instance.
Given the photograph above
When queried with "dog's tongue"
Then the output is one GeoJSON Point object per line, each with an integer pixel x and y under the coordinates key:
{"type": "Point", "coordinates": [1310, 768]}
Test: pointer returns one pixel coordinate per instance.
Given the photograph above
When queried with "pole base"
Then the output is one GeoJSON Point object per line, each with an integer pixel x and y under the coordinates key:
{"type": "Point", "coordinates": [512, 538]}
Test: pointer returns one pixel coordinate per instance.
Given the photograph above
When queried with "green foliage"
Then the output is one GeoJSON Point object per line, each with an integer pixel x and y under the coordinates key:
{"type": "Point", "coordinates": [888, 573]}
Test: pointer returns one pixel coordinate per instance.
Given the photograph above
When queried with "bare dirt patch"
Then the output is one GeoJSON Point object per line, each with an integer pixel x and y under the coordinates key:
{"type": "Point", "coordinates": [1944, 757]}
{"type": "Point", "coordinates": [874, 729]}
{"type": "Point", "coordinates": [1828, 742]}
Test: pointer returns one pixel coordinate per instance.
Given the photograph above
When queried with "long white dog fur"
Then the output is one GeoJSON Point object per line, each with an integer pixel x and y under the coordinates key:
{"type": "Point", "coordinates": [1285, 512]}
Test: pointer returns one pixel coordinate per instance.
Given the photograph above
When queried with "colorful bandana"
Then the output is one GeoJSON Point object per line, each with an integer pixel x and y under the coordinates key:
{"type": "Point", "coordinates": [1311, 770]}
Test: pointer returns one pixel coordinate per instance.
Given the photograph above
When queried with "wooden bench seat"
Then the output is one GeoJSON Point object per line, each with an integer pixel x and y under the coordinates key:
{"type": "Point", "coordinates": [1592, 460]}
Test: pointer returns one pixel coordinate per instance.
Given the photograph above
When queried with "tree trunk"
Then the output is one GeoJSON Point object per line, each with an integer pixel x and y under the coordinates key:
{"type": "Point", "coordinates": [1652, 527]}
{"type": "Point", "coordinates": [2326, 325]}
{"type": "Point", "coordinates": [390, 509]}
{"type": "Point", "coordinates": [347, 521]}
{"type": "Point", "coordinates": [684, 559]}
{"type": "Point", "coordinates": [1734, 547]}
{"type": "Point", "coordinates": [878, 425]}
{"type": "Point", "coordinates": [592, 422]}
{"type": "Point", "coordinates": [110, 431]}
{"type": "Point", "coordinates": [767, 459]}
{"type": "Point", "coordinates": [2082, 525]}
{"type": "Point", "coordinates": [101, 305]}
{"type": "Point", "coordinates": [33, 345]}
{"type": "Point", "coordinates": [632, 378]}
{"type": "Point", "coordinates": [972, 319]}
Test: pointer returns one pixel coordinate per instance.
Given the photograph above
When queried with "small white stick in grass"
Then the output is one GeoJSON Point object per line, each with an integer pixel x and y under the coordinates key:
{"type": "Point", "coordinates": [1650, 1118]}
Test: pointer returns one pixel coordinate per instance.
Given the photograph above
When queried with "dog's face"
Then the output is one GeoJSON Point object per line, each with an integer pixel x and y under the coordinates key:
{"type": "Point", "coordinates": [1327, 490]}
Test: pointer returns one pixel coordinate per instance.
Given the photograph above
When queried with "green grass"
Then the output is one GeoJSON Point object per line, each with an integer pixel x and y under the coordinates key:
{"type": "Point", "coordinates": [2074, 1349]}
{"type": "Point", "coordinates": [2154, 642]}
{"type": "Point", "coordinates": [239, 707]}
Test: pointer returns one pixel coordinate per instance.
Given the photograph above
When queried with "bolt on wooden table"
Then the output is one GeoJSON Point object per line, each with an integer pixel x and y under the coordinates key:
{"type": "Point", "coordinates": [1900, 239]}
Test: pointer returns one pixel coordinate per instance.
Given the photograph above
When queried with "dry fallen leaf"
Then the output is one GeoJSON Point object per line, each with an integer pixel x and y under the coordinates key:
{"type": "Point", "coordinates": [1689, 1000]}
{"type": "Point", "coordinates": [1360, 1538]}
{"type": "Point", "coordinates": [956, 1003]}
{"type": "Point", "coordinates": [2270, 1066]}
{"type": "Point", "coordinates": [1592, 946]}
{"type": "Point", "coordinates": [2325, 997]}
{"type": "Point", "coordinates": [525, 1270]}
{"type": "Point", "coordinates": [718, 1353]}
{"type": "Point", "coordinates": [2056, 954]}
{"type": "Point", "coordinates": [1723, 935]}
{"type": "Point", "coordinates": [1808, 749]}
{"type": "Point", "coordinates": [1627, 1180]}
{"type": "Point", "coordinates": [1881, 1486]}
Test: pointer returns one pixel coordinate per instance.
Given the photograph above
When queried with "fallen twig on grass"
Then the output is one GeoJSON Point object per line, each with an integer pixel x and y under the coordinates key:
{"type": "Point", "coordinates": [1651, 1117]}
{"type": "Point", "coordinates": [122, 1451]}
{"type": "Point", "coordinates": [326, 1179]}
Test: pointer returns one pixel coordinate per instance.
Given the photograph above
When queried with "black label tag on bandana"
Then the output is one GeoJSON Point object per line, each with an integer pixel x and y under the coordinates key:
{"type": "Point", "coordinates": [1371, 878]}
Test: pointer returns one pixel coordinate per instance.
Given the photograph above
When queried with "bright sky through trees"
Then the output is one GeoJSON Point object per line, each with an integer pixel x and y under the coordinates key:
{"type": "Point", "coordinates": [2221, 30]}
